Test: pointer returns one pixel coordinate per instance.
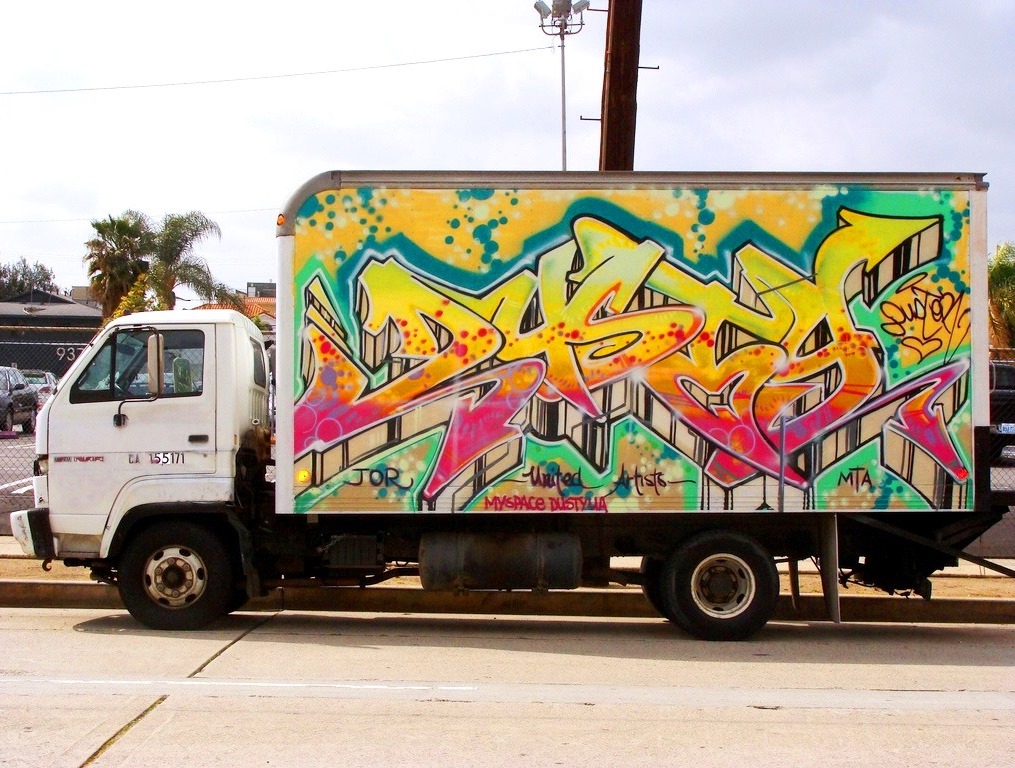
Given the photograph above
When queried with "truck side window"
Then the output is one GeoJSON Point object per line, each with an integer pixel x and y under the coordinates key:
{"type": "Point", "coordinates": [260, 377]}
{"type": "Point", "coordinates": [119, 369]}
{"type": "Point", "coordinates": [184, 363]}
{"type": "Point", "coordinates": [109, 374]}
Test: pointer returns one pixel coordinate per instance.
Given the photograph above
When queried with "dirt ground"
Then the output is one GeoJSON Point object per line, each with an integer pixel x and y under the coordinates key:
{"type": "Point", "coordinates": [954, 586]}
{"type": "Point", "coordinates": [31, 570]}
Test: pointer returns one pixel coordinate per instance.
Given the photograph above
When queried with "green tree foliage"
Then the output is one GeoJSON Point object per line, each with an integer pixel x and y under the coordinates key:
{"type": "Point", "coordinates": [134, 265]}
{"type": "Point", "coordinates": [137, 299]}
{"type": "Point", "coordinates": [1001, 291]}
{"type": "Point", "coordinates": [175, 263]}
{"type": "Point", "coordinates": [117, 256]}
{"type": "Point", "coordinates": [21, 277]}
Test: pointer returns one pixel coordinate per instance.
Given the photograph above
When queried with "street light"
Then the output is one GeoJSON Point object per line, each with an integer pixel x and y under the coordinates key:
{"type": "Point", "coordinates": [562, 19]}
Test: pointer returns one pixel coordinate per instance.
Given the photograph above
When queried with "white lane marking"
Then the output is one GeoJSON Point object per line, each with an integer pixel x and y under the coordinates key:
{"type": "Point", "coordinates": [17, 482]}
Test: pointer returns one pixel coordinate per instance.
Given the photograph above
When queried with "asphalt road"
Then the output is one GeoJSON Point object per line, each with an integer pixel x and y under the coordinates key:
{"type": "Point", "coordinates": [16, 456]}
{"type": "Point", "coordinates": [94, 688]}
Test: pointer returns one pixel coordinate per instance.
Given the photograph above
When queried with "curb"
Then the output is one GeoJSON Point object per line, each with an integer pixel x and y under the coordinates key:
{"type": "Point", "coordinates": [592, 603]}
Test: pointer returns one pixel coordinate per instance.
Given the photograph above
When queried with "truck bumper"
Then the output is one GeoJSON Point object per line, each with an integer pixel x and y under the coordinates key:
{"type": "Point", "coordinates": [32, 531]}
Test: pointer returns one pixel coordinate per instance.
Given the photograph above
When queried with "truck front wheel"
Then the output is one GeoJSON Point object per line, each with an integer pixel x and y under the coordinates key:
{"type": "Point", "coordinates": [719, 585]}
{"type": "Point", "coordinates": [175, 575]}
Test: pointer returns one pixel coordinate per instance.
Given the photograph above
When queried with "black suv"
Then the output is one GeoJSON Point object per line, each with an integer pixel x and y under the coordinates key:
{"type": "Point", "coordinates": [1002, 409]}
{"type": "Point", "coordinates": [17, 401]}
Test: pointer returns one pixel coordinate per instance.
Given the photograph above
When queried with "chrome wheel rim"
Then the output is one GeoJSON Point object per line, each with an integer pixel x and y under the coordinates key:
{"type": "Point", "coordinates": [175, 576]}
{"type": "Point", "coordinates": [723, 586]}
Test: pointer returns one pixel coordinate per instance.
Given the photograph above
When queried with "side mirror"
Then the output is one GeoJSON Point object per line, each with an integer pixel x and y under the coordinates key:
{"type": "Point", "coordinates": [156, 349]}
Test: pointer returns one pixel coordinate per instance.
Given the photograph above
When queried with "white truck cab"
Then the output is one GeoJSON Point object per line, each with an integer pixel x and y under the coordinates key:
{"type": "Point", "coordinates": [113, 443]}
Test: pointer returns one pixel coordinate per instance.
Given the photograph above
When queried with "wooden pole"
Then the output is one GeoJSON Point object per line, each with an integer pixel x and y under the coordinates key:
{"type": "Point", "coordinates": [620, 86]}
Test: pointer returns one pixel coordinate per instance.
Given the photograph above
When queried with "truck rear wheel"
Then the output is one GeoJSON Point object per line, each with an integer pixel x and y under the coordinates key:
{"type": "Point", "coordinates": [176, 575]}
{"type": "Point", "coordinates": [719, 585]}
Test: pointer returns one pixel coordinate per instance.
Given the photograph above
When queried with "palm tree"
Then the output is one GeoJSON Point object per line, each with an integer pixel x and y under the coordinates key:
{"type": "Point", "coordinates": [117, 256]}
{"type": "Point", "coordinates": [175, 263]}
{"type": "Point", "coordinates": [1001, 291]}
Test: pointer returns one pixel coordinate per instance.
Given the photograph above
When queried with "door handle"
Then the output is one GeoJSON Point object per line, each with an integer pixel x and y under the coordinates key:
{"type": "Point", "coordinates": [197, 439]}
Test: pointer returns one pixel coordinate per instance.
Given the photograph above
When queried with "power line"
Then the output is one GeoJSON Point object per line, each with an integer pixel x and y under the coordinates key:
{"type": "Point", "coordinates": [45, 221]}
{"type": "Point", "coordinates": [254, 78]}
{"type": "Point", "coordinates": [81, 220]}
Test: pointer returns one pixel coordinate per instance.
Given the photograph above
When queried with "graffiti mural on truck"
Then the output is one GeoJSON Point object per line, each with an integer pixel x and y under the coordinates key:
{"type": "Point", "coordinates": [632, 350]}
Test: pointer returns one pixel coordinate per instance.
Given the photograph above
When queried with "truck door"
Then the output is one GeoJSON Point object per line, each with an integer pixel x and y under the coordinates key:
{"type": "Point", "coordinates": [112, 443]}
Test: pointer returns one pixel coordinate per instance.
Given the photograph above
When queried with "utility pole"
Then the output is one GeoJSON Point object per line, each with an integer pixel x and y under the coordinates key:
{"type": "Point", "coordinates": [620, 86]}
{"type": "Point", "coordinates": [562, 19]}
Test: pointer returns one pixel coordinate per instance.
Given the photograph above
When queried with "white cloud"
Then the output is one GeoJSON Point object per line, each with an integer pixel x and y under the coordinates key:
{"type": "Point", "coordinates": [789, 86]}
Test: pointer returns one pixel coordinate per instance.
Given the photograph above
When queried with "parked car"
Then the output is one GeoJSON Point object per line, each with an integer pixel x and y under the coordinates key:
{"type": "Point", "coordinates": [17, 401]}
{"type": "Point", "coordinates": [44, 384]}
{"type": "Point", "coordinates": [1002, 409]}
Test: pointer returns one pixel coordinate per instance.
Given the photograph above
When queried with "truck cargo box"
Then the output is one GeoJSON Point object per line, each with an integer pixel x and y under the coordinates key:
{"type": "Point", "coordinates": [631, 343]}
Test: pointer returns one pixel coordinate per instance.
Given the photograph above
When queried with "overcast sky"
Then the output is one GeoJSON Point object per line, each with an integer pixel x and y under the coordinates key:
{"type": "Point", "coordinates": [797, 85]}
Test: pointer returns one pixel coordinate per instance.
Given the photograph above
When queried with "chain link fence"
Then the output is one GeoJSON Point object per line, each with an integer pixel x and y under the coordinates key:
{"type": "Point", "coordinates": [34, 352]}
{"type": "Point", "coordinates": [1002, 417]}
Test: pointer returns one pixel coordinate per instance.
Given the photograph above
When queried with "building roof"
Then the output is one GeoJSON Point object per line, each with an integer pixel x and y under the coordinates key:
{"type": "Point", "coordinates": [40, 305]}
{"type": "Point", "coordinates": [253, 307]}
{"type": "Point", "coordinates": [34, 296]}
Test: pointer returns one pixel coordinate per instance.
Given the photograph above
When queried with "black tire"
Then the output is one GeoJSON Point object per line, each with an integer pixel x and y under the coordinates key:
{"type": "Point", "coordinates": [651, 567]}
{"type": "Point", "coordinates": [719, 585]}
{"type": "Point", "coordinates": [28, 427]}
{"type": "Point", "coordinates": [176, 575]}
{"type": "Point", "coordinates": [8, 423]}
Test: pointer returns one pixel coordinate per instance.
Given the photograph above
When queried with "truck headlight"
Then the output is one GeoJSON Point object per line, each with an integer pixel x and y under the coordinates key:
{"type": "Point", "coordinates": [41, 466]}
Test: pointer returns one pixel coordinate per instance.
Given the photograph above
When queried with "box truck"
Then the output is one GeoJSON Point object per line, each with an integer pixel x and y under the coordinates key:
{"type": "Point", "coordinates": [510, 381]}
